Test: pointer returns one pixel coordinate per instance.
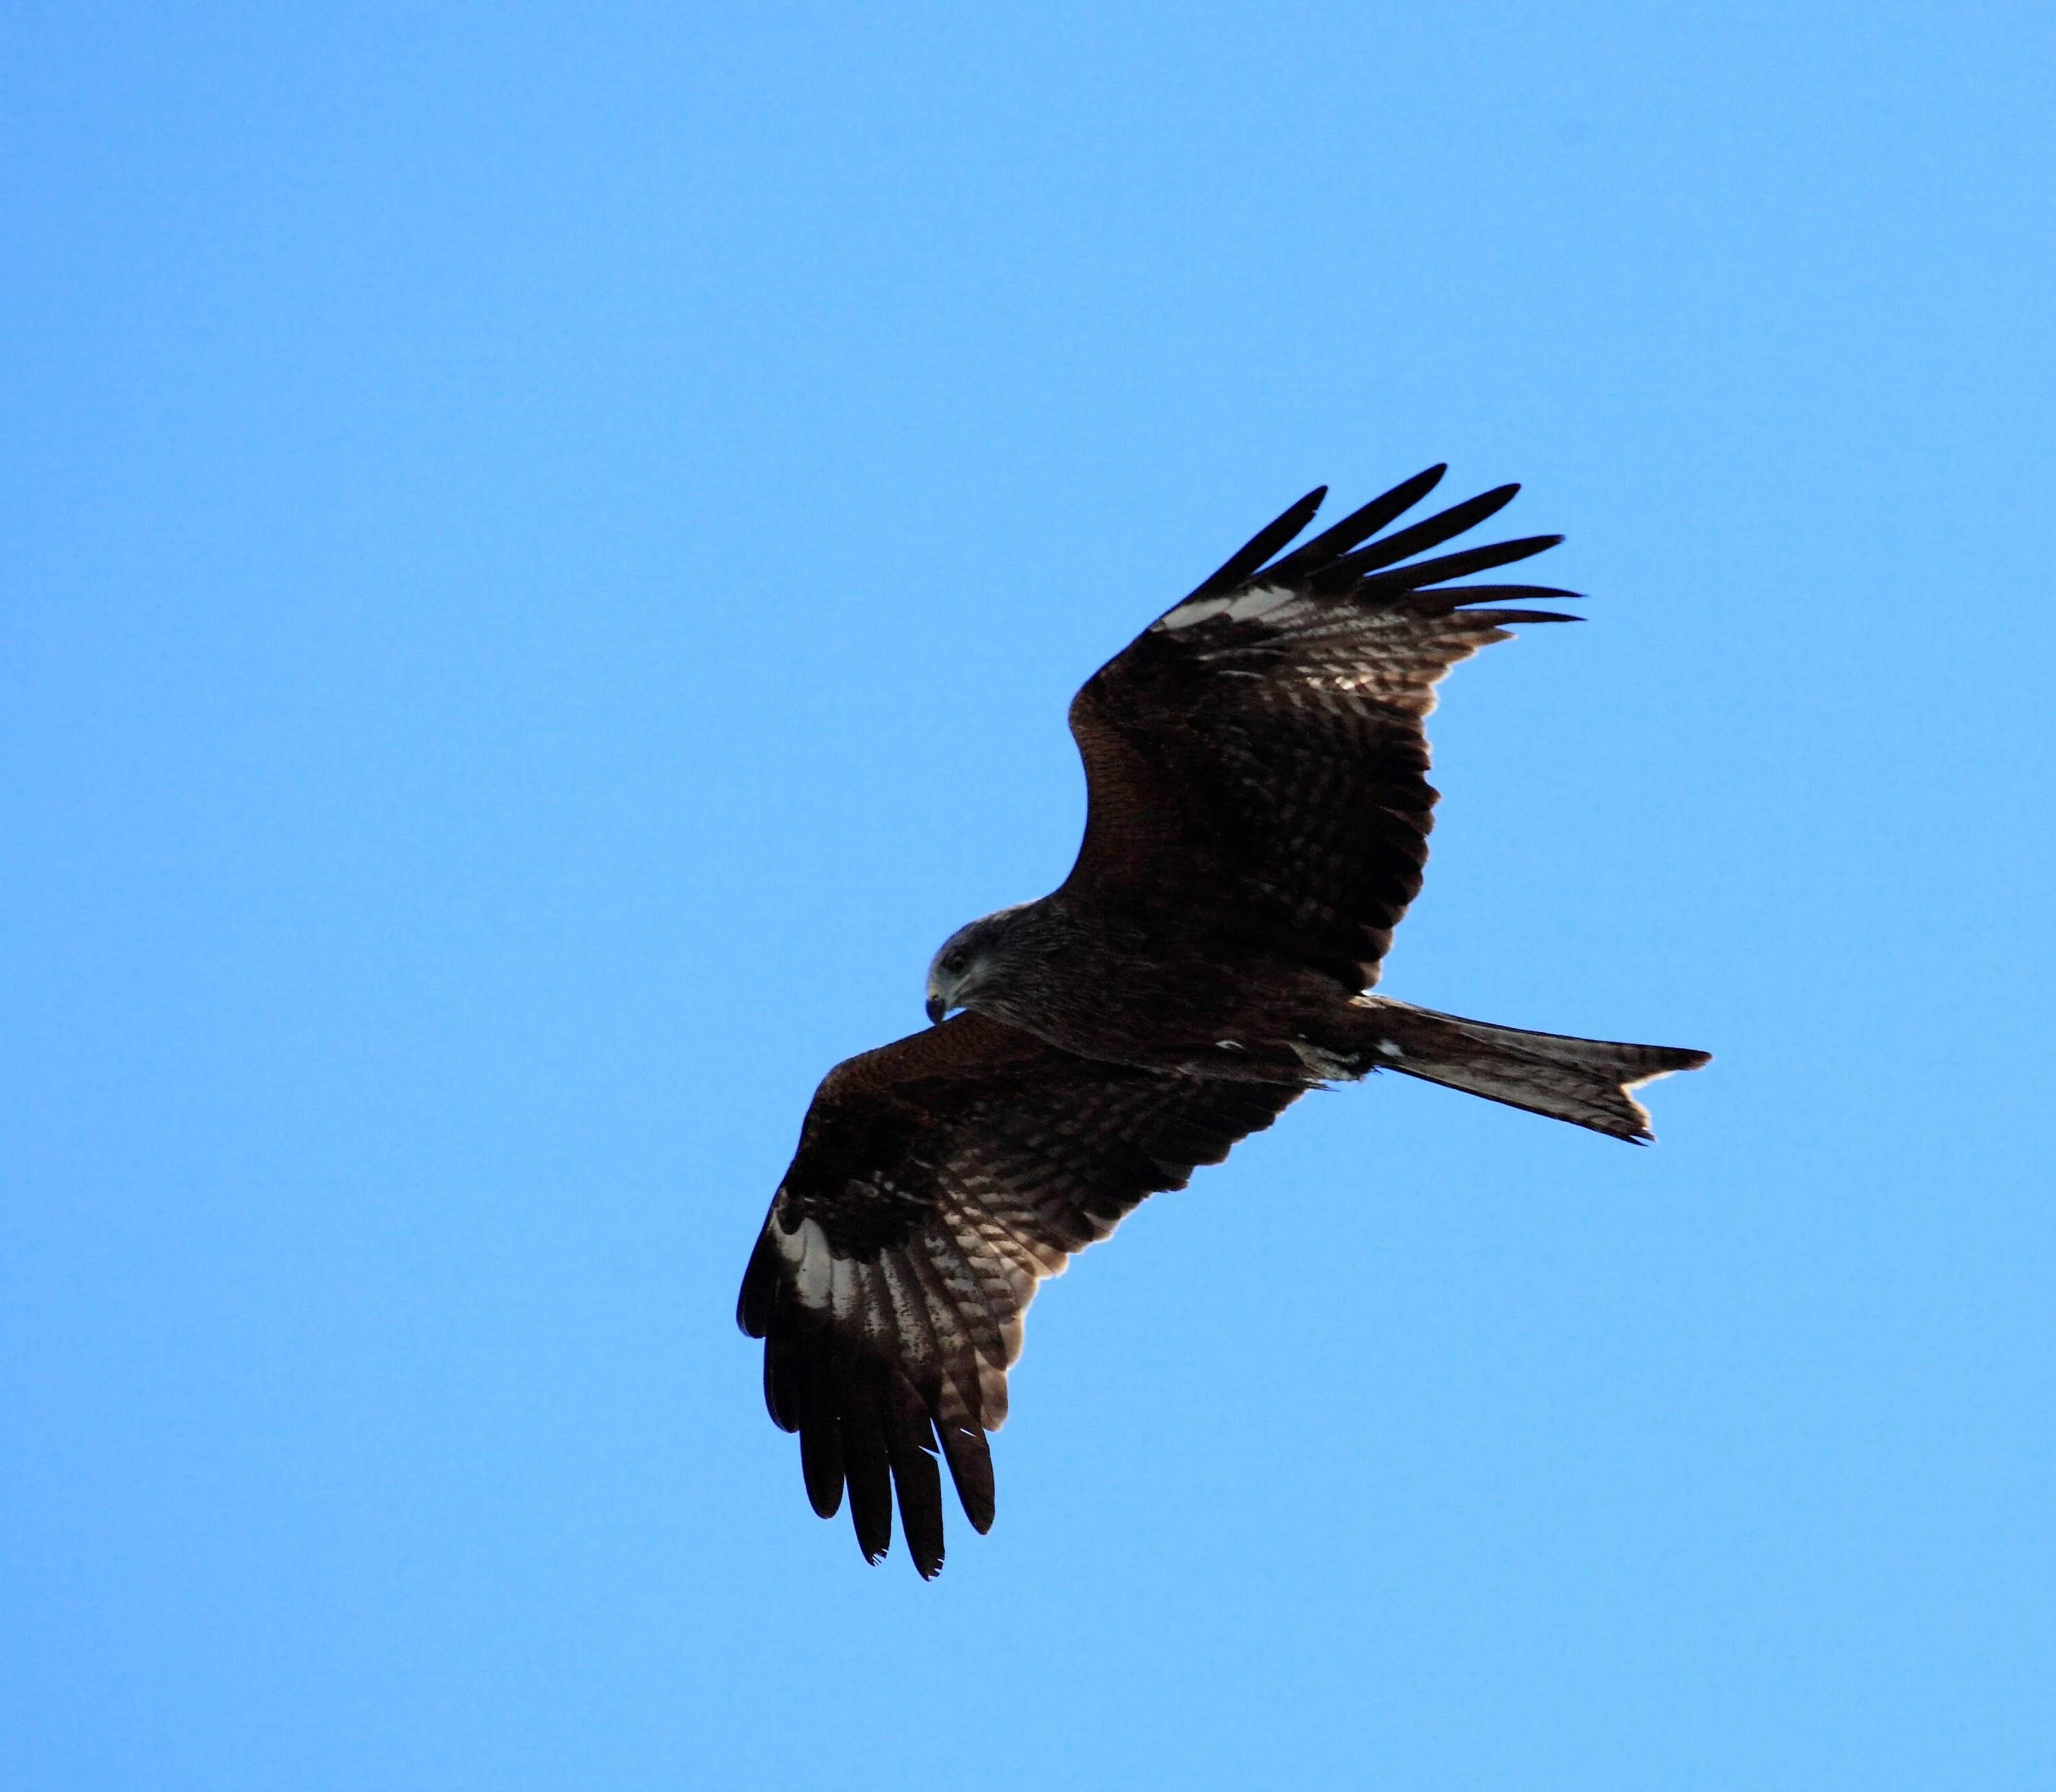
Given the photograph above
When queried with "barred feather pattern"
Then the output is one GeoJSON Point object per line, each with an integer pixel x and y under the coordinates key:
{"type": "Point", "coordinates": [939, 1182]}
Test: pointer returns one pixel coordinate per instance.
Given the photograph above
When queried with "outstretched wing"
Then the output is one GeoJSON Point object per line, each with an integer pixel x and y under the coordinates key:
{"type": "Point", "coordinates": [1257, 751]}
{"type": "Point", "coordinates": [937, 1180]}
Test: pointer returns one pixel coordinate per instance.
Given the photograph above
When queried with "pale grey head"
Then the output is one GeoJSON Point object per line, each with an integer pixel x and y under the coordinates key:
{"type": "Point", "coordinates": [979, 962]}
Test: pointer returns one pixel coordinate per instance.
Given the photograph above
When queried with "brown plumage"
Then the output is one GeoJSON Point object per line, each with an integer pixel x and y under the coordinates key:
{"type": "Point", "coordinates": [1258, 822]}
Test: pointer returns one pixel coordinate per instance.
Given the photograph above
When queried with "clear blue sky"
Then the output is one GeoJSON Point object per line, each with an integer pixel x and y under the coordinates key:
{"type": "Point", "coordinates": [543, 553]}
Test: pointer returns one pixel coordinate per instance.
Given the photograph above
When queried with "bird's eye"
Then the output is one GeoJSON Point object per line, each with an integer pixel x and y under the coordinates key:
{"type": "Point", "coordinates": [954, 963]}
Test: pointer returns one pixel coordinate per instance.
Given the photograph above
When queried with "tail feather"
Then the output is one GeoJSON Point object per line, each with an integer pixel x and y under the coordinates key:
{"type": "Point", "coordinates": [1585, 1082]}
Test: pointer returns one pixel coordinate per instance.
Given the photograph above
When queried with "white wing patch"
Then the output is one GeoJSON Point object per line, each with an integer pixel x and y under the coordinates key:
{"type": "Point", "coordinates": [807, 1251]}
{"type": "Point", "coordinates": [1204, 609]}
{"type": "Point", "coordinates": [1259, 603]}
{"type": "Point", "coordinates": [843, 1290]}
{"type": "Point", "coordinates": [1247, 607]}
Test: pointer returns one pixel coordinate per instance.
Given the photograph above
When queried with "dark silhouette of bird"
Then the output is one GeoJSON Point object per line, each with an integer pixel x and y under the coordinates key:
{"type": "Point", "coordinates": [1257, 824]}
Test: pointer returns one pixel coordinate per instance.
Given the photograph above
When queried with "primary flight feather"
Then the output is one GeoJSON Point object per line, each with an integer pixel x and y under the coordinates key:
{"type": "Point", "coordinates": [1257, 822]}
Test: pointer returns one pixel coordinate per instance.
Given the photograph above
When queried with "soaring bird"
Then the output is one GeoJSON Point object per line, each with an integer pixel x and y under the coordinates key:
{"type": "Point", "coordinates": [1257, 822]}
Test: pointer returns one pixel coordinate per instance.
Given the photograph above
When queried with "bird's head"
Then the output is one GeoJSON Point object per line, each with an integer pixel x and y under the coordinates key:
{"type": "Point", "coordinates": [974, 962]}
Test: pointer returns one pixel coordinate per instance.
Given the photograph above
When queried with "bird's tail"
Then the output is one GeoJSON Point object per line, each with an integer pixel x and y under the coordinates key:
{"type": "Point", "coordinates": [1585, 1082]}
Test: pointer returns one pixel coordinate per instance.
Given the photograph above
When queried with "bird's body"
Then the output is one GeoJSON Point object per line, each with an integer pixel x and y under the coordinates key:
{"type": "Point", "coordinates": [1257, 824]}
{"type": "Point", "coordinates": [1114, 983]}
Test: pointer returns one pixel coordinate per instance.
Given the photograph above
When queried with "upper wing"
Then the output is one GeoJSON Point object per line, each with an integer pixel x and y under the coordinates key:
{"type": "Point", "coordinates": [1260, 745]}
{"type": "Point", "coordinates": [937, 1180]}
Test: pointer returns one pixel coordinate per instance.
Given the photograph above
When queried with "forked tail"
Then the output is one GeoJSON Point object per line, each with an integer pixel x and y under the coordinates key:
{"type": "Point", "coordinates": [1585, 1082]}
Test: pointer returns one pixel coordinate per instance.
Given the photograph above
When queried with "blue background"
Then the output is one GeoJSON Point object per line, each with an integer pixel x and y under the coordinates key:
{"type": "Point", "coordinates": [543, 555]}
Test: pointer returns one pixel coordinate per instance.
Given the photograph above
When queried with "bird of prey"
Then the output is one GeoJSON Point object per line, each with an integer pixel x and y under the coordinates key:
{"type": "Point", "coordinates": [1257, 820]}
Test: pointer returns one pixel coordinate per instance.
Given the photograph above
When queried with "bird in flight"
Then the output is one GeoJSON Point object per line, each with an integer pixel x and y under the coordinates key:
{"type": "Point", "coordinates": [1257, 821]}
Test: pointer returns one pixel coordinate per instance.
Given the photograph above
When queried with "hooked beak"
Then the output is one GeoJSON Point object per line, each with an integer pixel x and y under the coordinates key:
{"type": "Point", "coordinates": [937, 1008]}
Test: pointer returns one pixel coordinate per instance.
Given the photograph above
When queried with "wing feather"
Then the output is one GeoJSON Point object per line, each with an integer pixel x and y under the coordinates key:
{"type": "Point", "coordinates": [1431, 531]}
{"type": "Point", "coordinates": [820, 1447]}
{"type": "Point", "coordinates": [1445, 567]}
{"type": "Point", "coordinates": [867, 1465]}
{"type": "Point", "coordinates": [910, 1444]}
{"type": "Point", "coordinates": [1261, 546]}
{"type": "Point", "coordinates": [1331, 543]}
{"type": "Point", "coordinates": [968, 1454]}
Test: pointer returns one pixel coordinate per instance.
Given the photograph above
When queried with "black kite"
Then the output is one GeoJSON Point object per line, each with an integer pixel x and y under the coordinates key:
{"type": "Point", "coordinates": [1258, 822]}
